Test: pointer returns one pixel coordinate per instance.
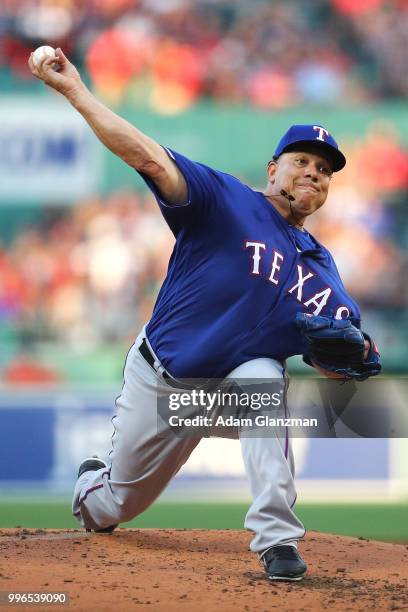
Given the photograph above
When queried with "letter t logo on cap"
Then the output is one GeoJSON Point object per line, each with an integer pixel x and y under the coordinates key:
{"type": "Point", "coordinates": [321, 132]}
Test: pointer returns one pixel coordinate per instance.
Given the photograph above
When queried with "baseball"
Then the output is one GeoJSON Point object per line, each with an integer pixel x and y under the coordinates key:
{"type": "Point", "coordinates": [41, 53]}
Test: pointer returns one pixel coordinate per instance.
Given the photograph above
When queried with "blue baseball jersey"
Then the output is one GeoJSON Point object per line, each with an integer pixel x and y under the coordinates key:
{"type": "Point", "coordinates": [238, 274]}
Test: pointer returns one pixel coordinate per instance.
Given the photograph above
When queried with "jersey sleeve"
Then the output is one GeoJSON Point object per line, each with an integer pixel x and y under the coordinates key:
{"type": "Point", "coordinates": [203, 186]}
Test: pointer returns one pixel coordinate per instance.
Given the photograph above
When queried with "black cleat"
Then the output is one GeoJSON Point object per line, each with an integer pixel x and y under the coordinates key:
{"type": "Point", "coordinates": [92, 464]}
{"type": "Point", "coordinates": [283, 562]}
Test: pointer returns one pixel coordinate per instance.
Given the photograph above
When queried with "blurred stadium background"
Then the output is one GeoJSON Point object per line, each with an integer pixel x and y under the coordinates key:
{"type": "Point", "coordinates": [83, 248]}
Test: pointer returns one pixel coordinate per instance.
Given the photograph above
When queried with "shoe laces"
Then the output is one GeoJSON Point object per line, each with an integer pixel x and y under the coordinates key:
{"type": "Point", "coordinates": [287, 553]}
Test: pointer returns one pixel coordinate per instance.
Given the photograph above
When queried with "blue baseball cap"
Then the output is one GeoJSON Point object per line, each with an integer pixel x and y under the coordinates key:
{"type": "Point", "coordinates": [301, 137]}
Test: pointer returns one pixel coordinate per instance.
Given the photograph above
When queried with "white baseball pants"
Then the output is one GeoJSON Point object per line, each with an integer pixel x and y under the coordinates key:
{"type": "Point", "coordinates": [142, 462]}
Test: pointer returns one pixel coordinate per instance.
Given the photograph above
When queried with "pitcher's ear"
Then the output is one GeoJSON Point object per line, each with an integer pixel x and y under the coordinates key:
{"type": "Point", "coordinates": [271, 169]}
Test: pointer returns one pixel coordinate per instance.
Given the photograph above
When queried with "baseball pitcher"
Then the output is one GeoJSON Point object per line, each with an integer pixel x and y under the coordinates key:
{"type": "Point", "coordinates": [247, 287]}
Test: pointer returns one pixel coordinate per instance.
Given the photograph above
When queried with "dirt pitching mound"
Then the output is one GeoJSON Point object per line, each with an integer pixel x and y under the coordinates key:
{"type": "Point", "coordinates": [176, 570]}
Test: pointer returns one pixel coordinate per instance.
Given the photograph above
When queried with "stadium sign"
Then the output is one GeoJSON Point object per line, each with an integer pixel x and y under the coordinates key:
{"type": "Point", "coordinates": [47, 153]}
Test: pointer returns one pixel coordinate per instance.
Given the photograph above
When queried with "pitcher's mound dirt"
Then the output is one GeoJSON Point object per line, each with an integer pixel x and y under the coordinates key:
{"type": "Point", "coordinates": [195, 570]}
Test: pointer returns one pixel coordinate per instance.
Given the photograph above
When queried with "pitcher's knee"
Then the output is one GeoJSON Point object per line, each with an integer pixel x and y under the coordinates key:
{"type": "Point", "coordinates": [130, 509]}
{"type": "Point", "coordinates": [115, 503]}
{"type": "Point", "coordinates": [125, 505]}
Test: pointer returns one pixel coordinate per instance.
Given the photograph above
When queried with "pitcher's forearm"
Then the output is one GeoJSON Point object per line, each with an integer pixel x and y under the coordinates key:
{"type": "Point", "coordinates": [117, 134]}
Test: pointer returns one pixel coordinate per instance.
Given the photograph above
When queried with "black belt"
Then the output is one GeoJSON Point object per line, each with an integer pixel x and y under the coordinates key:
{"type": "Point", "coordinates": [148, 356]}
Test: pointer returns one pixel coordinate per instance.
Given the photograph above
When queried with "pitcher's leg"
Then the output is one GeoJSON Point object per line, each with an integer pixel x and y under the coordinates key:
{"type": "Point", "coordinates": [142, 463]}
{"type": "Point", "coordinates": [269, 465]}
{"type": "Point", "coordinates": [271, 516]}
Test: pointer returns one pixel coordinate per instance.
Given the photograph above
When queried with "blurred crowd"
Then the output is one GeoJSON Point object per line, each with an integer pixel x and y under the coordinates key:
{"type": "Point", "coordinates": [169, 54]}
{"type": "Point", "coordinates": [86, 275]}
{"type": "Point", "coordinates": [89, 275]}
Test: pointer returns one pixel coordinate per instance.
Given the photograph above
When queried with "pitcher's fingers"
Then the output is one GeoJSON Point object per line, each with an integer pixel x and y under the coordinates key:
{"type": "Point", "coordinates": [32, 66]}
{"type": "Point", "coordinates": [62, 58]}
{"type": "Point", "coordinates": [48, 64]}
{"type": "Point", "coordinates": [39, 67]}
